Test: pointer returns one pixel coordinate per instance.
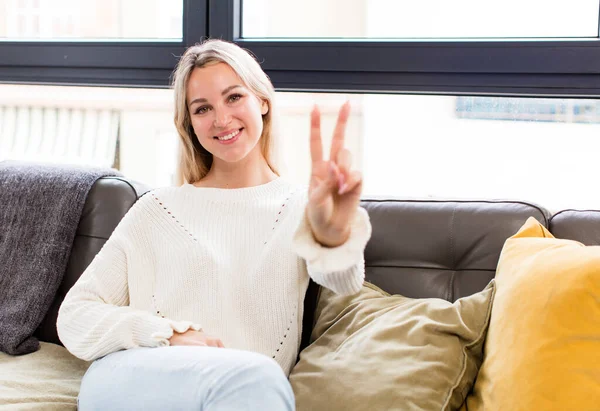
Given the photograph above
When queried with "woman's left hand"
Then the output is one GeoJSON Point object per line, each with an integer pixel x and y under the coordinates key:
{"type": "Point", "coordinates": [335, 189]}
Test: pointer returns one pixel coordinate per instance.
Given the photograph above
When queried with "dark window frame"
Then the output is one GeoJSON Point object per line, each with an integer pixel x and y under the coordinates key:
{"type": "Point", "coordinates": [551, 68]}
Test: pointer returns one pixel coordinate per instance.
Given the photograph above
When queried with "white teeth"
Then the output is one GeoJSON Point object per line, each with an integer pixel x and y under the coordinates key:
{"type": "Point", "coordinates": [229, 136]}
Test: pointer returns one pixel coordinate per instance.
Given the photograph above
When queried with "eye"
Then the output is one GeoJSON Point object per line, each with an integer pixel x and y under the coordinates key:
{"type": "Point", "coordinates": [201, 110]}
{"type": "Point", "coordinates": [235, 97]}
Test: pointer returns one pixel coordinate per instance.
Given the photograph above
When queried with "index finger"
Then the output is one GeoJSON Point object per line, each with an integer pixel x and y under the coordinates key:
{"type": "Point", "coordinates": [339, 132]}
{"type": "Point", "coordinates": [316, 146]}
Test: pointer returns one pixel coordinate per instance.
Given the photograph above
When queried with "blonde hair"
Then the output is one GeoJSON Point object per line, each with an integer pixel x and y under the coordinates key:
{"type": "Point", "coordinates": [195, 161]}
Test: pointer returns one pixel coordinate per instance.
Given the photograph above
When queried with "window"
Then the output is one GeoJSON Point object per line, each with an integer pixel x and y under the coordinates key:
{"type": "Point", "coordinates": [431, 46]}
{"type": "Point", "coordinates": [459, 99]}
{"type": "Point", "coordinates": [101, 43]}
{"type": "Point", "coordinates": [424, 19]}
{"type": "Point", "coordinates": [91, 20]}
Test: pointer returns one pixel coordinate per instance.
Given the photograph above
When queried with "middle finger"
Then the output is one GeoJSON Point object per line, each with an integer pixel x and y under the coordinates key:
{"type": "Point", "coordinates": [339, 132]}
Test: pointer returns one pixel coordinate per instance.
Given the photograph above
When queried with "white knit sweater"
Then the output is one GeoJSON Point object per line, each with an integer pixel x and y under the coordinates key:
{"type": "Point", "coordinates": [233, 262]}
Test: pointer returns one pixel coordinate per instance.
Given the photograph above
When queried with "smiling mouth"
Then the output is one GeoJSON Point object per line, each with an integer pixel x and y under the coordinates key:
{"type": "Point", "coordinates": [229, 136]}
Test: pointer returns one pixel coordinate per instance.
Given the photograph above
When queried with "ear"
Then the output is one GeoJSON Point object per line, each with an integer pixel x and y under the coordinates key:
{"type": "Point", "coordinates": [264, 108]}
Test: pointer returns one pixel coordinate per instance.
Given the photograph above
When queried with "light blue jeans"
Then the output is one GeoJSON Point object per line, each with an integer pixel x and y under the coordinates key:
{"type": "Point", "coordinates": [185, 378]}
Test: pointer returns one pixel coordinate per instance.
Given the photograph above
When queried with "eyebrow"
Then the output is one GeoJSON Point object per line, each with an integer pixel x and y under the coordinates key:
{"type": "Point", "coordinates": [203, 100]}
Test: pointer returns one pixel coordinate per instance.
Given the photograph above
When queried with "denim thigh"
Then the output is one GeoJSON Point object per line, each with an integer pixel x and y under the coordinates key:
{"type": "Point", "coordinates": [185, 378]}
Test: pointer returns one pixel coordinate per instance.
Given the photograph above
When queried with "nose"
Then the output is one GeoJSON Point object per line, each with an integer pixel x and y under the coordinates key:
{"type": "Point", "coordinates": [222, 118]}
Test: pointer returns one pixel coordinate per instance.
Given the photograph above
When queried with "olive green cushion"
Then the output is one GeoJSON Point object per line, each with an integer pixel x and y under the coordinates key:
{"type": "Point", "coordinates": [373, 351]}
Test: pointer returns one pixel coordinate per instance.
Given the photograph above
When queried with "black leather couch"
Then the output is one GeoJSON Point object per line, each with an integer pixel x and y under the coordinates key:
{"type": "Point", "coordinates": [444, 249]}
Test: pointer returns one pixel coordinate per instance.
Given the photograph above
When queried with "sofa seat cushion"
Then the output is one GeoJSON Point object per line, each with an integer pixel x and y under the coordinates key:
{"type": "Point", "coordinates": [47, 379]}
{"type": "Point", "coordinates": [543, 345]}
{"type": "Point", "coordinates": [375, 351]}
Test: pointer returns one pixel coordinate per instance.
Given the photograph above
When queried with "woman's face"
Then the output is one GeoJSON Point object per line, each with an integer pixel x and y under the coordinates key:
{"type": "Point", "coordinates": [226, 116]}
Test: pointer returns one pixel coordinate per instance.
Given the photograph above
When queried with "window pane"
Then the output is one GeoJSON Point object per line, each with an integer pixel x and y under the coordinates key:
{"type": "Point", "coordinates": [91, 19]}
{"type": "Point", "coordinates": [538, 150]}
{"type": "Point", "coordinates": [129, 129]}
{"type": "Point", "coordinates": [420, 19]}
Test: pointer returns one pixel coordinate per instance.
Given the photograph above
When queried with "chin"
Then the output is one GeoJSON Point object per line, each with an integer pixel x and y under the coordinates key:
{"type": "Point", "coordinates": [235, 156]}
{"type": "Point", "coordinates": [232, 159]}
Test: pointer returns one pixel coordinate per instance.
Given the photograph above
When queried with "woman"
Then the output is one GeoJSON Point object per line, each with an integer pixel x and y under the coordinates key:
{"type": "Point", "coordinates": [196, 300]}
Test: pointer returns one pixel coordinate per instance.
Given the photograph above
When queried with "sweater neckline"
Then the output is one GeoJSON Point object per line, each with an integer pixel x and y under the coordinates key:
{"type": "Point", "coordinates": [239, 194]}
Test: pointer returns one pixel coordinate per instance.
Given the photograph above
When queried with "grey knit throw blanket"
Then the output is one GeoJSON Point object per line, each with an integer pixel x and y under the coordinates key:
{"type": "Point", "coordinates": [40, 209]}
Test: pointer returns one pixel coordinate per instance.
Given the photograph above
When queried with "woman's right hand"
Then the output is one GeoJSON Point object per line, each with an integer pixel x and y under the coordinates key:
{"type": "Point", "coordinates": [197, 338]}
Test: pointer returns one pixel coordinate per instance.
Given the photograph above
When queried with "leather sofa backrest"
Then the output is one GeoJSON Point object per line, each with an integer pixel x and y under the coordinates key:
{"type": "Point", "coordinates": [582, 226]}
{"type": "Point", "coordinates": [108, 201]}
{"type": "Point", "coordinates": [443, 249]}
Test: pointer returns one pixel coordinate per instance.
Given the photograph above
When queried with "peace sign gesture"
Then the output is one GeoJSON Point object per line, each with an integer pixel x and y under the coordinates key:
{"type": "Point", "coordinates": [334, 191]}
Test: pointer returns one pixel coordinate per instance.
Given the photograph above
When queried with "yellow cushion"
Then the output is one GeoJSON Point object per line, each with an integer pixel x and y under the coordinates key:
{"type": "Point", "coordinates": [542, 351]}
{"type": "Point", "coordinates": [373, 351]}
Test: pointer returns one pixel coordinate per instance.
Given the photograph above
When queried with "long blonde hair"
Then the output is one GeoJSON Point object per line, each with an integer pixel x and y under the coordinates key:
{"type": "Point", "coordinates": [195, 161]}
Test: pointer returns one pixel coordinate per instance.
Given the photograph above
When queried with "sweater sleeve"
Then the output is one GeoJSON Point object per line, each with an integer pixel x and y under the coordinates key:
{"type": "Point", "coordinates": [95, 318]}
{"type": "Point", "coordinates": [342, 268]}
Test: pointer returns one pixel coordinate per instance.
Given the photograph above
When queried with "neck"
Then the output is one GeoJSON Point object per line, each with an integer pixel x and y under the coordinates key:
{"type": "Point", "coordinates": [246, 173]}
